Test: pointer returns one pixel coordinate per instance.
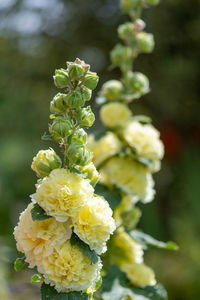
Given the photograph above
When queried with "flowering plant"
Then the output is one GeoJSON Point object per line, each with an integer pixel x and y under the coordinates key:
{"type": "Point", "coordinates": [66, 225]}
{"type": "Point", "coordinates": [127, 152]}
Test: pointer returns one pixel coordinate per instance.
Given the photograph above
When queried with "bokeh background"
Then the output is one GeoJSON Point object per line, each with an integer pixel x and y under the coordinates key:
{"type": "Point", "coordinates": [37, 36]}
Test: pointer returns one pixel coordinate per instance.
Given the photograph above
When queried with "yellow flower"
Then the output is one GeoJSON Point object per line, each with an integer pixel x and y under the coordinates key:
{"type": "Point", "coordinates": [69, 270]}
{"type": "Point", "coordinates": [145, 140]}
{"type": "Point", "coordinates": [63, 193]}
{"type": "Point", "coordinates": [104, 148]}
{"type": "Point", "coordinates": [94, 224]}
{"type": "Point", "coordinates": [139, 274]}
{"type": "Point", "coordinates": [37, 239]}
{"type": "Point", "coordinates": [115, 115]}
{"type": "Point", "coordinates": [131, 177]}
{"type": "Point", "coordinates": [46, 161]}
{"type": "Point", "coordinates": [124, 250]}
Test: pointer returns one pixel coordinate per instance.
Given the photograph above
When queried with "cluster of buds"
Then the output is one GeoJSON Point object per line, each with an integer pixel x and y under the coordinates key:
{"type": "Point", "coordinates": [66, 226]}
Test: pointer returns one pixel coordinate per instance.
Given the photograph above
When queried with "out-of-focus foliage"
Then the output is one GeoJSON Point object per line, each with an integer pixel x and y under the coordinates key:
{"type": "Point", "coordinates": [37, 36]}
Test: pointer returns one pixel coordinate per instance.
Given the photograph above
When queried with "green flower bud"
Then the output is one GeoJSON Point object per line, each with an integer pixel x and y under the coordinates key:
{"type": "Point", "coordinates": [75, 99]}
{"type": "Point", "coordinates": [121, 55]}
{"type": "Point", "coordinates": [128, 5]}
{"type": "Point", "coordinates": [78, 155]}
{"type": "Point", "coordinates": [90, 80]}
{"type": "Point", "coordinates": [112, 90]}
{"type": "Point", "coordinates": [145, 42]}
{"type": "Point", "coordinates": [152, 2]}
{"type": "Point", "coordinates": [86, 93]}
{"type": "Point", "coordinates": [75, 71]}
{"type": "Point", "coordinates": [46, 161]}
{"type": "Point", "coordinates": [137, 83]}
{"type": "Point", "coordinates": [85, 116]}
{"type": "Point", "coordinates": [61, 78]}
{"type": "Point", "coordinates": [126, 31]}
{"type": "Point", "coordinates": [79, 137]}
{"type": "Point", "coordinates": [58, 103]}
{"type": "Point", "coordinates": [91, 173]}
{"type": "Point", "coordinates": [60, 128]}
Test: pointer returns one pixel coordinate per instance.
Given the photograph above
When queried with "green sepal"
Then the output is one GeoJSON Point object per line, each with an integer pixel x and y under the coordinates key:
{"type": "Point", "coordinates": [112, 196]}
{"type": "Point", "coordinates": [38, 213]}
{"type": "Point", "coordinates": [84, 248]}
{"type": "Point", "coordinates": [36, 278]}
{"type": "Point", "coordinates": [47, 137]}
{"type": "Point", "coordinates": [146, 240]}
{"type": "Point", "coordinates": [20, 263]}
{"type": "Point", "coordinates": [49, 293]}
{"type": "Point", "coordinates": [75, 171]}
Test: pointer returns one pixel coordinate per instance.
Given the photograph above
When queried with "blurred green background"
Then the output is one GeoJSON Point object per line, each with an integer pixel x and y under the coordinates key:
{"type": "Point", "coordinates": [37, 36]}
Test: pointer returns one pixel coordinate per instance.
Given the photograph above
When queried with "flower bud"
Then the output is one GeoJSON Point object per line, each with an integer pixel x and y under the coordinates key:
{"type": "Point", "coordinates": [75, 99]}
{"type": "Point", "coordinates": [152, 2]}
{"type": "Point", "coordinates": [75, 71]}
{"type": "Point", "coordinates": [126, 31]}
{"type": "Point", "coordinates": [58, 104]}
{"type": "Point", "coordinates": [86, 93]}
{"type": "Point", "coordinates": [46, 161]}
{"type": "Point", "coordinates": [60, 128]}
{"type": "Point", "coordinates": [128, 5]}
{"type": "Point", "coordinates": [90, 80]}
{"type": "Point", "coordinates": [91, 173]}
{"type": "Point", "coordinates": [121, 55]}
{"type": "Point", "coordinates": [78, 155]}
{"type": "Point", "coordinates": [85, 116]}
{"type": "Point", "coordinates": [79, 137]}
{"type": "Point", "coordinates": [145, 42]}
{"type": "Point", "coordinates": [112, 90]}
{"type": "Point", "coordinates": [61, 78]}
{"type": "Point", "coordinates": [137, 82]}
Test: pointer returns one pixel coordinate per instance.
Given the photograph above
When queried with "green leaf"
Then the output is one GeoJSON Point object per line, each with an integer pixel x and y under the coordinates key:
{"type": "Point", "coordinates": [98, 135]}
{"type": "Point", "coordinates": [116, 286]}
{"type": "Point", "coordinates": [46, 137]}
{"type": "Point", "coordinates": [36, 278]}
{"type": "Point", "coordinates": [84, 248]}
{"type": "Point", "coordinates": [49, 293]}
{"type": "Point", "coordinates": [113, 197]}
{"type": "Point", "coordinates": [156, 292]}
{"type": "Point", "coordinates": [20, 263]}
{"type": "Point", "coordinates": [38, 213]}
{"type": "Point", "coordinates": [147, 240]}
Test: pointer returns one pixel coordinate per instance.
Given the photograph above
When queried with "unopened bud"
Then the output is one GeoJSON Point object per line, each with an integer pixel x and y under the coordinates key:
{"type": "Point", "coordinates": [126, 31]}
{"type": "Point", "coordinates": [137, 82]}
{"type": "Point", "coordinates": [128, 5]}
{"type": "Point", "coordinates": [75, 99]}
{"type": "Point", "coordinates": [61, 78]}
{"type": "Point", "coordinates": [91, 173]}
{"type": "Point", "coordinates": [46, 161]}
{"type": "Point", "coordinates": [60, 128]}
{"type": "Point", "coordinates": [145, 42]}
{"type": "Point", "coordinates": [75, 71]}
{"type": "Point", "coordinates": [121, 55]}
{"type": "Point", "coordinates": [86, 93]}
{"type": "Point", "coordinates": [58, 103]}
{"type": "Point", "coordinates": [79, 137]}
{"type": "Point", "coordinates": [85, 116]}
{"type": "Point", "coordinates": [112, 90]}
{"type": "Point", "coordinates": [90, 80]}
{"type": "Point", "coordinates": [78, 155]}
